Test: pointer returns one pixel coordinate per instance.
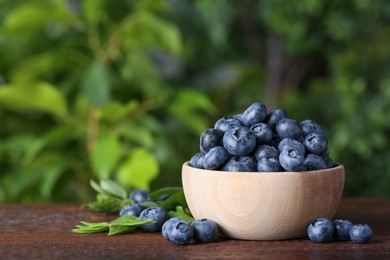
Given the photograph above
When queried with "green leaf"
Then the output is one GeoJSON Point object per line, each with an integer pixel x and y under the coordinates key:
{"type": "Point", "coordinates": [113, 188]}
{"type": "Point", "coordinates": [187, 108]}
{"type": "Point", "coordinates": [164, 191]}
{"type": "Point", "coordinates": [114, 111]}
{"type": "Point", "coordinates": [140, 168]}
{"type": "Point", "coordinates": [143, 29]}
{"type": "Point", "coordinates": [176, 199]}
{"type": "Point", "coordinates": [116, 230]}
{"type": "Point", "coordinates": [180, 213]}
{"type": "Point", "coordinates": [105, 155]}
{"type": "Point", "coordinates": [31, 17]}
{"type": "Point", "coordinates": [93, 10]}
{"type": "Point", "coordinates": [39, 96]}
{"type": "Point", "coordinates": [96, 84]}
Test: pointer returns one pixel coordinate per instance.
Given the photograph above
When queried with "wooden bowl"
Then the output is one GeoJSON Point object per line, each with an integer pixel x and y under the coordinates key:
{"type": "Point", "coordinates": [262, 206]}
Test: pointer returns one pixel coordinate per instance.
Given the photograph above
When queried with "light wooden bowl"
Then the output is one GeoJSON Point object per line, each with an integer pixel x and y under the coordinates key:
{"type": "Point", "coordinates": [262, 206]}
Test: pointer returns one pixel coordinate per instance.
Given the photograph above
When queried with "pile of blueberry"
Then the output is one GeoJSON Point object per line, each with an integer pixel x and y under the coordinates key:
{"type": "Point", "coordinates": [258, 140]}
{"type": "Point", "coordinates": [176, 230]}
{"type": "Point", "coordinates": [323, 230]}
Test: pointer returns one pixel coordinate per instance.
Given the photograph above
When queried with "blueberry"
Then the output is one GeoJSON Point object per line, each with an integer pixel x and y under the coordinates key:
{"type": "Point", "coordinates": [291, 159]}
{"type": "Point", "coordinates": [309, 126]}
{"type": "Point", "coordinates": [139, 195]}
{"type": "Point", "coordinates": [360, 233]}
{"type": "Point", "coordinates": [264, 150]}
{"type": "Point", "coordinates": [288, 143]}
{"type": "Point", "coordinates": [239, 141]}
{"type": "Point", "coordinates": [263, 133]}
{"type": "Point", "coordinates": [240, 164]}
{"type": "Point", "coordinates": [320, 230]}
{"type": "Point", "coordinates": [156, 214]}
{"type": "Point", "coordinates": [133, 209]}
{"type": "Point", "coordinates": [314, 162]}
{"type": "Point", "coordinates": [315, 143]}
{"type": "Point", "coordinates": [178, 231]}
{"type": "Point", "coordinates": [215, 158]}
{"type": "Point", "coordinates": [239, 117]}
{"type": "Point", "coordinates": [328, 161]}
{"type": "Point", "coordinates": [226, 123]}
{"type": "Point", "coordinates": [269, 164]}
{"type": "Point", "coordinates": [205, 230]}
{"type": "Point", "coordinates": [210, 138]}
{"type": "Point", "coordinates": [288, 128]}
{"type": "Point", "coordinates": [341, 229]}
{"type": "Point", "coordinates": [197, 160]}
{"type": "Point", "coordinates": [254, 114]}
{"type": "Point", "coordinates": [274, 117]}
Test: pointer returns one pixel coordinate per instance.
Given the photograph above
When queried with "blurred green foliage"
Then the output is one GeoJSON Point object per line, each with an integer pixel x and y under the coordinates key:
{"type": "Point", "coordinates": [122, 89]}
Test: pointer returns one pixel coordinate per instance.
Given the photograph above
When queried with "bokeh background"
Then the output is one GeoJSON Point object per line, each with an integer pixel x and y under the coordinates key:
{"type": "Point", "coordinates": [123, 89]}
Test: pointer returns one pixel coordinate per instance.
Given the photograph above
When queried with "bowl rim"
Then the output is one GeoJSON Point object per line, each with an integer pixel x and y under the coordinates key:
{"type": "Point", "coordinates": [337, 167]}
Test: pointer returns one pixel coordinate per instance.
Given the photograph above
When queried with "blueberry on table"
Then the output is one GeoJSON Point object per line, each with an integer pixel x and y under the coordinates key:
{"type": "Point", "coordinates": [225, 123]}
{"type": "Point", "coordinates": [240, 164]}
{"type": "Point", "coordinates": [215, 158]}
{"type": "Point", "coordinates": [314, 162]}
{"type": "Point", "coordinates": [289, 128]}
{"type": "Point", "coordinates": [341, 229]}
{"type": "Point", "coordinates": [310, 126]}
{"type": "Point", "coordinates": [274, 117]}
{"type": "Point", "coordinates": [197, 160]}
{"type": "Point", "coordinates": [133, 209]}
{"type": "Point", "coordinates": [178, 231]}
{"type": "Point", "coordinates": [139, 195]}
{"type": "Point", "coordinates": [254, 114]}
{"type": "Point", "coordinates": [263, 133]}
{"type": "Point", "coordinates": [360, 233]}
{"type": "Point", "coordinates": [265, 150]}
{"type": "Point", "coordinates": [320, 230]}
{"type": "Point", "coordinates": [288, 143]}
{"type": "Point", "coordinates": [156, 214]}
{"type": "Point", "coordinates": [315, 143]}
{"type": "Point", "coordinates": [210, 138]}
{"type": "Point", "coordinates": [239, 141]}
{"type": "Point", "coordinates": [269, 164]}
{"type": "Point", "coordinates": [205, 230]}
{"type": "Point", "coordinates": [291, 160]}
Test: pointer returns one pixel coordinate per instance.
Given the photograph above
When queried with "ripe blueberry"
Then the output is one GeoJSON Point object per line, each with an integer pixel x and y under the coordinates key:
{"type": "Point", "coordinates": [309, 126]}
{"type": "Point", "coordinates": [314, 162]}
{"type": "Point", "coordinates": [178, 231]}
{"type": "Point", "coordinates": [205, 230]}
{"type": "Point", "coordinates": [320, 230]}
{"type": "Point", "coordinates": [133, 209]}
{"type": "Point", "coordinates": [239, 141]}
{"type": "Point", "coordinates": [289, 128]}
{"type": "Point", "coordinates": [264, 150]}
{"type": "Point", "coordinates": [225, 123]}
{"type": "Point", "coordinates": [291, 159]}
{"type": "Point", "coordinates": [274, 117]}
{"type": "Point", "coordinates": [360, 233]}
{"type": "Point", "coordinates": [263, 133]}
{"type": "Point", "coordinates": [254, 114]}
{"type": "Point", "coordinates": [197, 160]}
{"type": "Point", "coordinates": [269, 164]}
{"type": "Point", "coordinates": [341, 229]}
{"type": "Point", "coordinates": [315, 143]}
{"type": "Point", "coordinates": [210, 138]}
{"type": "Point", "coordinates": [240, 164]}
{"type": "Point", "coordinates": [156, 214]}
{"type": "Point", "coordinates": [139, 195]}
{"type": "Point", "coordinates": [215, 158]}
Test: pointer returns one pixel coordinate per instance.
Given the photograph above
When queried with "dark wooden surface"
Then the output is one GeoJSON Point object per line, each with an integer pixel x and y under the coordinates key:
{"type": "Point", "coordinates": [42, 231]}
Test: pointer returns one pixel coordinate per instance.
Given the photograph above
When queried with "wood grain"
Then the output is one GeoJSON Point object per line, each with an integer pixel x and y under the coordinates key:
{"type": "Point", "coordinates": [42, 231]}
{"type": "Point", "coordinates": [263, 206]}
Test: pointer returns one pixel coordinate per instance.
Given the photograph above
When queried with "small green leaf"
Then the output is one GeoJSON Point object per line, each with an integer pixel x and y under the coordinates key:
{"type": "Point", "coordinates": [140, 168]}
{"type": "Point", "coordinates": [96, 186]}
{"type": "Point", "coordinates": [176, 199]}
{"type": "Point", "coordinates": [105, 155]}
{"type": "Point", "coordinates": [164, 191]}
{"type": "Point", "coordinates": [96, 84]}
{"type": "Point", "coordinates": [117, 229]}
{"type": "Point", "coordinates": [113, 188]}
{"type": "Point", "coordinates": [180, 213]}
{"type": "Point", "coordinates": [40, 96]}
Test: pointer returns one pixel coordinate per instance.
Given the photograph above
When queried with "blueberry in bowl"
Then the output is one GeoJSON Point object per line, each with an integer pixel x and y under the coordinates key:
{"type": "Point", "coordinates": [265, 182]}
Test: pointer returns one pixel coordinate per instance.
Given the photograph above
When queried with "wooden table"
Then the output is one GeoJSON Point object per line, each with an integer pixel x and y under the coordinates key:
{"type": "Point", "coordinates": [42, 231]}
